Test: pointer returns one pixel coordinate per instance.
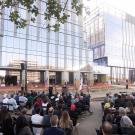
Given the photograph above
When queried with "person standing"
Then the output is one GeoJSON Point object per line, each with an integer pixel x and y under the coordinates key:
{"type": "Point", "coordinates": [126, 84]}
{"type": "Point", "coordinates": [50, 90]}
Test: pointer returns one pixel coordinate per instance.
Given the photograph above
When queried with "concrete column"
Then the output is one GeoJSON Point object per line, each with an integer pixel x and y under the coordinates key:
{"type": "Point", "coordinates": [65, 77]}
{"type": "Point", "coordinates": [42, 80]}
{"type": "Point", "coordinates": [20, 77]}
{"type": "Point", "coordinates": [46, 77]}
{"type": "Point", "coordinates": [90, 78]}
{"type": "Point", "coordinates": [77, 75]}
{"type": "Point", "coordinates": [1, 33]}
{"type": "Point", "coordinates": [77, 80]}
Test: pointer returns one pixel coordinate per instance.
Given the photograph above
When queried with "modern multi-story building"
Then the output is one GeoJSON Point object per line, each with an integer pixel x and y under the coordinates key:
{"type": "Point", "coordinates": [110, 33]}
{"type": "Point", "coordinates": [31, 76]}
{"type": "Point", "coordinates": [59, 55]}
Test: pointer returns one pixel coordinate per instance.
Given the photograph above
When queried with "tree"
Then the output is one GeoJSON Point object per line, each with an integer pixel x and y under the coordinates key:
{"type": "Point", "coordinates": [54, 10]}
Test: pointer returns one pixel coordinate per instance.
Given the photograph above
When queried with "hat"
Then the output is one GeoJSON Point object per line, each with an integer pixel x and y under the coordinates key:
{"type": "Point", "coordinates": [107, 105]}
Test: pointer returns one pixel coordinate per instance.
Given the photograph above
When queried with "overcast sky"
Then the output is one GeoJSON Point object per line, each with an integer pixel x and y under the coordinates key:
{"type": "Point", "coordinates": [126, 5]}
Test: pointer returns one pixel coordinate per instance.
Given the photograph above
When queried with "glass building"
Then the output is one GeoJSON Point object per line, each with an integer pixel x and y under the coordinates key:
{"type": "Point", "coordinates": [111, 36]}
{"type": "Point", "coordinates": [59, 55]}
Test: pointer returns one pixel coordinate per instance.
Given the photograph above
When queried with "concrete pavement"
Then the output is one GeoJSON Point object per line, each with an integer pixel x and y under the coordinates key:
{"type": "Point", "coordinates": [89, 123]}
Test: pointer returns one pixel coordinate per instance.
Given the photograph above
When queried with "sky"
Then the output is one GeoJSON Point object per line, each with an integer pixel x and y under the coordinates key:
{"type": "Point", "coordinates": [126, 5]}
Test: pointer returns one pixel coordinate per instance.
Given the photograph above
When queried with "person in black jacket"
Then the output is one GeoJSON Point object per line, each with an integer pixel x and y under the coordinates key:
{"type": "Point", "coordinates": [22, 127]}
{"type": "Point", "coordinates": [50, 91]}
{"type": "Point", "coordinates": [54, 130]}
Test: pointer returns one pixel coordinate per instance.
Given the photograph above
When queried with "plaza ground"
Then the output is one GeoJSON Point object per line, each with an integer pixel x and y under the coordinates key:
{"type": "Point", "coordinates": [89, 123]}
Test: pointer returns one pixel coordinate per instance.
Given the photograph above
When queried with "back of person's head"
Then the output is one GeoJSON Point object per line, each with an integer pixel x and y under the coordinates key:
{"type": "Point", "coordinates": [73, 107]}
{"type": "Point", "coordinates": [54, 120]}
{"type": "Point", "coordinates": [122, 111]}
{"type": "Point", "coordinates": [129, 104]}
{"type": "Point", "coordinates": [51, 111]}
{"type": "Point", "coordinates": [5, 95]}
{"type": "Point", "coordinates": [111, 104]}
{"type": "Point", "coordinates": [24, 111]}
{"type": "Point", "coordinates": [21, 122]}
{"type": "Point", "coordinates": [12, 95]}
{"type": "Point", "coordinates": [4, 114]}
{"type": "Point", "coordinates": [119, 96]}
{"type": "Point", "coordinates": [115, 95]}
{"type": "Point", "coordinates": [107, 128]}
{"type": "Point", "coordinates": [65, 116]}
{"type": "Point", "coordinates": [109, 118]}
{"type": "Point", "coordinates": [37, 110]}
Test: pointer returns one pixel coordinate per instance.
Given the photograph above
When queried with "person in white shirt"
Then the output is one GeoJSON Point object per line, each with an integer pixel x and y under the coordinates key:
{"type": "Point", "coordinates": [37, 119]}
{"type": "Point", "coordinates": [22, 100]}
{"type": "Point", "coordinates": [125, 121]}
{"type": "Point", "coordinates": [12, 101]}
{"type": "Point", "coordinates": [5, 100]}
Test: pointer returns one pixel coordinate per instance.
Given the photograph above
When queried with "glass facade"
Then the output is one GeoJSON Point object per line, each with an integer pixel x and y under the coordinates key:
{"type": "Point", "coordinates": [43, 50]}
{"type": "Point", "coordinates": [111, 36]}
{"type": "Point", "coordinates": [63, 50]}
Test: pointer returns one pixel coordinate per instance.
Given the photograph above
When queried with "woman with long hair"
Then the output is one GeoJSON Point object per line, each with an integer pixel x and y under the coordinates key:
{"type": "Point", "coordinates": [66, 123]}
{"type": "Point", "coordinates": [22, 127]}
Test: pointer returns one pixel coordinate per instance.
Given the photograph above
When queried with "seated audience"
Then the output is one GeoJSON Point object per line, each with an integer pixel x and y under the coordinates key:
{"type": "Point", "coordinates": [43, 110]}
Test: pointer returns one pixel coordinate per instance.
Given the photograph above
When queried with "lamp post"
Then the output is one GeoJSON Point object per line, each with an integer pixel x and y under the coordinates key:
{"type": "Point", "coordinates": [24, 77]}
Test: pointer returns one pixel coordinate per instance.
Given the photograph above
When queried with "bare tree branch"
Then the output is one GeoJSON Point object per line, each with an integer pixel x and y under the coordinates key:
{"type": "Point", "coordinates": [65, 5]}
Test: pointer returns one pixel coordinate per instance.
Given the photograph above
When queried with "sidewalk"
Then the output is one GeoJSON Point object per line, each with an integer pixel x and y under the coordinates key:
{"type": "Point", "coordinates": [102, 93]}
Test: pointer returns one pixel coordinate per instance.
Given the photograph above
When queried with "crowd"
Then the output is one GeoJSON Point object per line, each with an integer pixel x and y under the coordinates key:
{"type": "Point", "coordinates": [119, 114]}
{"type": "Point", "coordinates": [40, 113]}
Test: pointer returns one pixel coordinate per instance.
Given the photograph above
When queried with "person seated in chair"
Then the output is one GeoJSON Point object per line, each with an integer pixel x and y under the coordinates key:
{"type": "Point", "coordinates": [47, 117]}
{"type": "Point", "coordinates": [125, 121]}
{"type": "Point", "coordinates": [37, 119]}
{"type": "Point", "coordinates": [54, 130]}
{"type": "Point", "coordinates": [107, 128]}
{"type": "Point", "coordinates": [13, 103]}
